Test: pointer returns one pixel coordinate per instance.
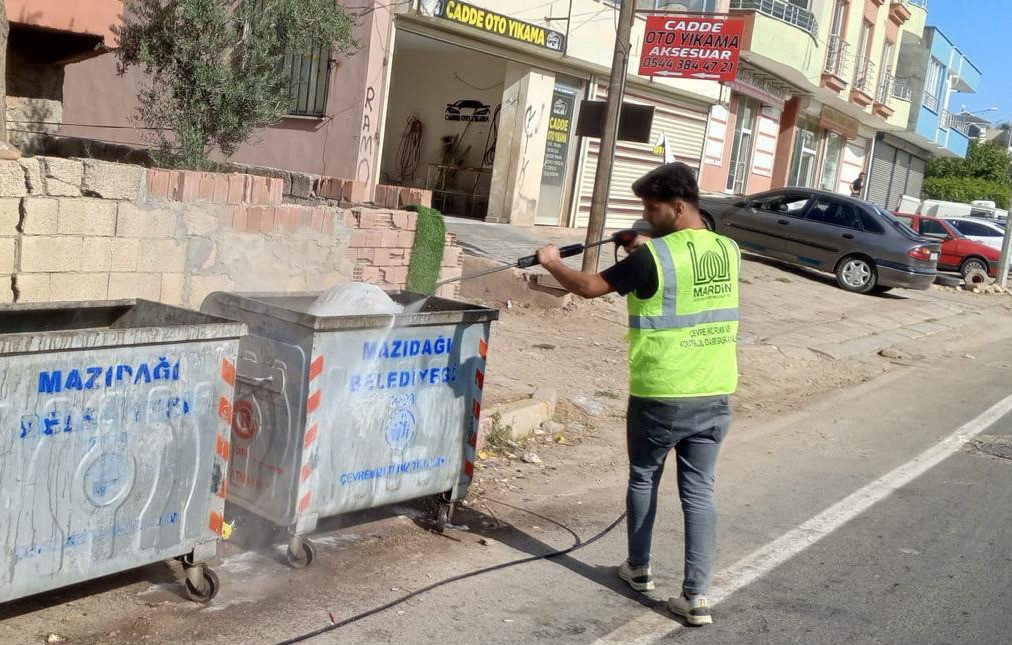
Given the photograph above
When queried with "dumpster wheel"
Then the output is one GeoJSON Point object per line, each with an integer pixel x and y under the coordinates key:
{"type": "Point", "coordinates": [444, 514]}
{"type": "Point", "coordinates": [207, 586]}
{"type": "Point", "coordinates": [303, 555]}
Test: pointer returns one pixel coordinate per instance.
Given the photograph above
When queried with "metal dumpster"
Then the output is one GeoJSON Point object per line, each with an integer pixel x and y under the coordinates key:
{"type": "Point", "coordinates": [114, 443]}
{"type": "Point", "coordinates": [337, 414]}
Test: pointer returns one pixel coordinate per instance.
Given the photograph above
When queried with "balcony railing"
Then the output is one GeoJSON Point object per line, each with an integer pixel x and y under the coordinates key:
{"type": "Point", "coordinates": [950, 121]}
{"type": "Point", "coordinates": [783, 11]}
{"type": "Point", "coordinates": [836, 59]}
{"type": "Point", "coordinates": [901, 89]}
{"type": "Point", "coordinates": [885, 88]}
{"type": "Point", "coordinates": [931, 102]}
{"type": "Point", "coordinates": [864, 75]}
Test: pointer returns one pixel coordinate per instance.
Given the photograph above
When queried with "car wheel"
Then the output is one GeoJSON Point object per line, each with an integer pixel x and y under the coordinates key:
{"type": "Point", "coordinates": [972, 266]}
{"type": "Point", "coordinates": [856, 274]}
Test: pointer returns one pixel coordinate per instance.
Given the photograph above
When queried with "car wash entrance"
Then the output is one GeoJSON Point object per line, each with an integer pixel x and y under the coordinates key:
{"type": "Point", "coordinates": [490, 136]}
{"type": "Point", "coordinates": [442, 122]}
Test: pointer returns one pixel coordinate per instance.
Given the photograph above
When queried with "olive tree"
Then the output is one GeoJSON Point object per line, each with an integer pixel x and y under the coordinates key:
{"type": "Point", "coordinates": [213, 67]}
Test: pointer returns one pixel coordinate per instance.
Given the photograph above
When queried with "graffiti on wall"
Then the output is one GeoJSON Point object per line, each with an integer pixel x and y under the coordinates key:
{"type": "Point", "coordinates": [367, 143]}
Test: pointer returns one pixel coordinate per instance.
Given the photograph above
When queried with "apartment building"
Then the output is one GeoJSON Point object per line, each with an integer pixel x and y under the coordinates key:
{"type": "Point", "coordinates": [827, 76]}
{"type": "Point", "coordinates": [930, 71]}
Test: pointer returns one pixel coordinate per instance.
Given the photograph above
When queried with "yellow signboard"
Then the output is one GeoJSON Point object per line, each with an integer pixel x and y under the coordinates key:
{"type": "Point", "coordinates": [494, 23]}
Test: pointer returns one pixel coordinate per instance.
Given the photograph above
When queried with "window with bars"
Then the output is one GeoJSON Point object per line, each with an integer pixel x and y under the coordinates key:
{"type": "Point", "coordinates": [308, 81]}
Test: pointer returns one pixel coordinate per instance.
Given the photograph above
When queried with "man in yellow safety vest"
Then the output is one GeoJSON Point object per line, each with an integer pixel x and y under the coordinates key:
{"type": "Point", "coordinates": [682, 292]}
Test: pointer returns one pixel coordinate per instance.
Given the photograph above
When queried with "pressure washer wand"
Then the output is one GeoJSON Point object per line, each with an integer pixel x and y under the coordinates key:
{"type": "Point", "coordinates": [621, 238]}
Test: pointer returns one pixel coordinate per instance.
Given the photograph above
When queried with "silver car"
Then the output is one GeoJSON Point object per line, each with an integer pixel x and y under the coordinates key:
{"type": "Point", "coordinates": [864, 246]}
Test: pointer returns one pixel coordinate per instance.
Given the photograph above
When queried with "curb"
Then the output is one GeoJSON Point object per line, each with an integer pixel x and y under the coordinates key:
{"type": "Point", "coordinates": [523, 416]}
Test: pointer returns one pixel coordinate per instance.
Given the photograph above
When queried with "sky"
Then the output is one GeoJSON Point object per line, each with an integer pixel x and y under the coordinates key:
{"type": "Point", "coordinates": [981, 29]}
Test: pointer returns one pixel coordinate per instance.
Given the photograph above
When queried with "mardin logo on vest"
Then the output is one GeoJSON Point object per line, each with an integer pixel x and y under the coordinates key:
{"type": "Point", "coordinates": [711, 272]}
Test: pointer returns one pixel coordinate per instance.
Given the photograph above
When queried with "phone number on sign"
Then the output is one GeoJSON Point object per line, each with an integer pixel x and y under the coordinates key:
{"type": "Point", "coordinates": [688, 64]}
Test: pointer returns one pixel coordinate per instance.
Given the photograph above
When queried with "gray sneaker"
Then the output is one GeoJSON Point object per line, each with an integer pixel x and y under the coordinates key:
{"type": "Point", "coordinates": [694, 610]}
{"type": "Point", "coordinates": [639, 578]}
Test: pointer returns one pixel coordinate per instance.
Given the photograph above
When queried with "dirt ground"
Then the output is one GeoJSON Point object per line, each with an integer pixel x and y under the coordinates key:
{"type": "Point", "coordinates": [581, 352]}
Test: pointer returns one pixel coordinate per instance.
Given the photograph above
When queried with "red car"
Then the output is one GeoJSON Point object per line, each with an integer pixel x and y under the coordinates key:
{"type": "Point", "coordinates": [958, 253]}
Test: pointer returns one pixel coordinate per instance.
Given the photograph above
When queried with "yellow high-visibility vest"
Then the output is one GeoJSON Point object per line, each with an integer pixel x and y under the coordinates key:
{"type": "Point", "coordinates": [683, 339]}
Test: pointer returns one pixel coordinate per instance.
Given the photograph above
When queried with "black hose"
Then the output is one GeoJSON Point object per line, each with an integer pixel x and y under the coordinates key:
{"type": "Point", "coordinates": [409, 149]}
{"type": "Point", "coordinates": [579, 544]}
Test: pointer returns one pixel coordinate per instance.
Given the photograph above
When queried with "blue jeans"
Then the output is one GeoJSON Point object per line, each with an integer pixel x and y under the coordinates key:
{"type": "Point", "coordinates": [694, 428]}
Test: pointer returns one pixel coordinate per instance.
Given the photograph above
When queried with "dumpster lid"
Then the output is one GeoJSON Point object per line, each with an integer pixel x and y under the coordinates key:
{"type": "Point", "coordinates": [58, 326]}
{"type": "Point", "coordinates": [292, 307]}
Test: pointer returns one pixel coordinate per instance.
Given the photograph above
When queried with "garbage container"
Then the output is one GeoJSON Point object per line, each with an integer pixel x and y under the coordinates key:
{"type": "Point", "coordinates": [338, 414]}
{"type": "Point", "coordinates": [115, 441]}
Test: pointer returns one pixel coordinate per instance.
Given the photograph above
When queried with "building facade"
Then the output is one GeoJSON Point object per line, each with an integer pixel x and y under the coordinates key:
{"type": "Point", "coordinates": [45, 36]}
{"type": "Point", "coordinates": [826, 86]}
{"type": "Point", "coordinates": [475, 101]}
{"type": "Point", "coordinates": [932, 70]}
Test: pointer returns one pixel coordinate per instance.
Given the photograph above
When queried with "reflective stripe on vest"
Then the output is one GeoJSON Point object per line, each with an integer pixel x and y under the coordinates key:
{"type": "Point", "coordinates": [669, 318]}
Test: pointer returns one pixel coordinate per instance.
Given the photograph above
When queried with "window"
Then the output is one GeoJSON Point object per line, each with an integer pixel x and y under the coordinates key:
{"type": "Point", "coordinates": [790, 204]}
{"type": "Point", "coordinates": [839, 16]}
{"type": "Point", "coordinates": [308, 76]}
{"type": "Point", "coordinates": [741, 146]}
{"type": "Point", "coordinates": [831, 166]}
{"type": "Point", "coordinates": [870, 223]}
{"type": "Point", "coordinates": [933, 228]}
{"type": "Point", "coordinates": [805, 157]}
{"type": "Point", "coordinates": [933, 84]}
{"type": "Point", "coordinates": [974, 229]}
{"type": "Point", "coordinates": [834, 213]}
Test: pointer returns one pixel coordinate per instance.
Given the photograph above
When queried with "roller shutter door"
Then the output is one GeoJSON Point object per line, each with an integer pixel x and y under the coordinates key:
{"type": "Point", "coordinates": [915, 182]}
{"type": "Point", "coordinates": [900, 176]}
{"type": "Point", "coordinates": [684, 128]}
{"type": "Point", "coordinates": [881, 174]}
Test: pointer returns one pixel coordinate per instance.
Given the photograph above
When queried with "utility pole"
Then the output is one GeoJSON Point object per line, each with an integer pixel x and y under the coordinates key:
{"type": "Point", "coordinates": [606, 156]}
{"type": "Point", "coordinates": [1002, 276]}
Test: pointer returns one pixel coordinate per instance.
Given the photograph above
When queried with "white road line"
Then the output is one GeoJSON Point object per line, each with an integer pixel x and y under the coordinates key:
{"type": "Point", "coordinates": [650, 626]}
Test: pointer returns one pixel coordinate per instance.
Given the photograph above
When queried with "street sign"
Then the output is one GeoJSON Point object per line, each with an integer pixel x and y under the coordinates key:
{"type": "Point", "coordinates": [698, 47]}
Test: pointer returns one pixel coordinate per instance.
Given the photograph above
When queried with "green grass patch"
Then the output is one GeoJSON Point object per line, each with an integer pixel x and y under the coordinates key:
{"type": "Point", "coordinates": [427, 251]}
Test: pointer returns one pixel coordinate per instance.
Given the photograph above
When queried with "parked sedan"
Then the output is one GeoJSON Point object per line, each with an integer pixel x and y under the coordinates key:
{"type": "Point", "coordinates": [984, 231]}
{"type": "Point", "coordinates": [865, 247]}
{"type": "Point", "coordinates": [959, 253]}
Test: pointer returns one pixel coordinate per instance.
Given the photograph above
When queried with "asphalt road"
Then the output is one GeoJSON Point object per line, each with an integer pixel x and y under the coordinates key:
{"type": "Point", "coordinates": [930, 562]}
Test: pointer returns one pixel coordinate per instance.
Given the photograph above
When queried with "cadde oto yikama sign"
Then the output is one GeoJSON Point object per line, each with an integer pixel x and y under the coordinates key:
{"type": "Point", "coordinates": [692, 47]}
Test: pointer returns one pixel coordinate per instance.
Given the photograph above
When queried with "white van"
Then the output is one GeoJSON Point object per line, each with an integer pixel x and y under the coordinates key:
{"type": "Point", "coordinates": [980, 209]}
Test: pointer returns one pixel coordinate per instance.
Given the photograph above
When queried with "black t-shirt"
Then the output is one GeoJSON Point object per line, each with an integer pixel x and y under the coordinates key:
{"type": "Point", "coordinates": [638, 273]}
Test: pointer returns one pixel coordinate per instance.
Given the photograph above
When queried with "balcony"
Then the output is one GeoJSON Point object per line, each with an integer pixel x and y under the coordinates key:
{"type": "Point", "coordinates": [884, 94]}
{"type": "Point", "coordinates": [781, 38]}
{"type": "Point", "coordinates": [899, 12]}
{"type": "Point", "coordinates": [863, 89]}
{"type": "Point", "coordinates": [783, 11]}
{"type": "Point", "coordinates": [950, 121]}
{"type": "Point", "coordinates": [931, 102]}
{"type": "Point", "coordinates": [834, 74]}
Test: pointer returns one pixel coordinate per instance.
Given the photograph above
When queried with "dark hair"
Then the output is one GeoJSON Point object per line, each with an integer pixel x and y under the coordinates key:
{"type": "Point", "coordinates": [667, 183]}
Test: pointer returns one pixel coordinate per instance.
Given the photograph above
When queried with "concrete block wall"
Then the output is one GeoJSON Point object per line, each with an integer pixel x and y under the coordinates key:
{"type": "Point", "coordinates": [74, 229]}
{"type": "Point", "coordinates": [86, 230]}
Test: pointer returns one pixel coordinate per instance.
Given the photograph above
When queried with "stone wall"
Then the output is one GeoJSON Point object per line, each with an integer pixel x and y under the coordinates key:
{"type": "Point", "coordinates": [75, 229]}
